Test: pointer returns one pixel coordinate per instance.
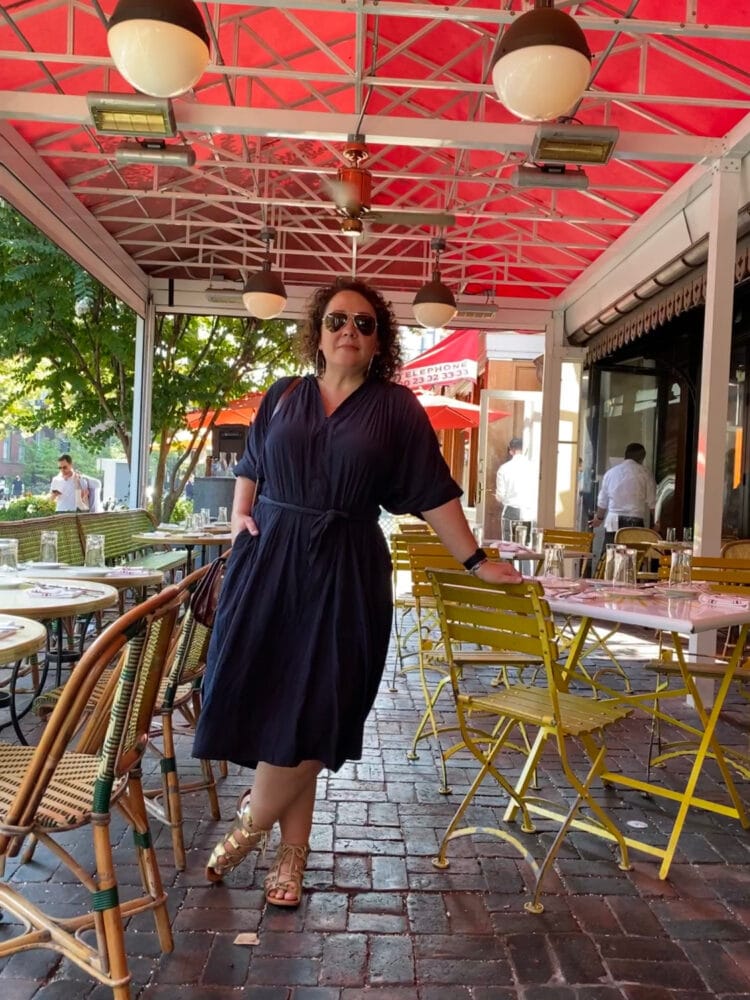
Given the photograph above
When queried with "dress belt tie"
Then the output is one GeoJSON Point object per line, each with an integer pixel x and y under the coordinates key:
{"type": "Point", "coordinates": [323, 519]}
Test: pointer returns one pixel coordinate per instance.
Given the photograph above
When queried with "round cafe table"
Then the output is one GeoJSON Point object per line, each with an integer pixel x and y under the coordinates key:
{"type": "Point", "coordinates": [186, 540]}
{"type": "Point", "coordinates": [52, 602]}
{"type": "Point", "coordinates": [19, 638]}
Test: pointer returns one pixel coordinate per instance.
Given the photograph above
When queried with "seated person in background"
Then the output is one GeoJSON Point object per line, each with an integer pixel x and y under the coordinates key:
{"type": "Point", "coordinates": [72, 491]}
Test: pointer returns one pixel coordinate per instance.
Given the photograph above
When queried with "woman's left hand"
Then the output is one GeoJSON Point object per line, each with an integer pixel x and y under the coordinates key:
{"type": "Point", "coordinates": [498, 571]}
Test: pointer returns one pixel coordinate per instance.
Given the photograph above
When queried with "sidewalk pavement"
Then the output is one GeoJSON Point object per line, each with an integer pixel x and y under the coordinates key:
{"type": "Point", "coordinates": [379, 922]}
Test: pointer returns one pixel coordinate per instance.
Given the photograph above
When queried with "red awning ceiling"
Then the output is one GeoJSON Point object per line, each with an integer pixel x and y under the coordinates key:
{"type": "Point", "coordinates": [454, 359]}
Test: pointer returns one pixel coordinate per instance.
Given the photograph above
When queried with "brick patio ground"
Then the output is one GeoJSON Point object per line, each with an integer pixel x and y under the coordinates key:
{"type": "Point", "coordinates": [379, 921]}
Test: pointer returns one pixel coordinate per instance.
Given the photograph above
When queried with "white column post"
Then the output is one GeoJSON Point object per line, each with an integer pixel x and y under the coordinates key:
{"type": "Point", "coordinates": [550, 423]}
{"type": "Point", "coordinates": [140, 439]}
{"type": "Point", "coordinates": [714, 387]}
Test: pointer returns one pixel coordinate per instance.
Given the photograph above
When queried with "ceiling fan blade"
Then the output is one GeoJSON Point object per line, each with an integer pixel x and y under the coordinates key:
{"type": "Point", "coordinates": [410, 218]}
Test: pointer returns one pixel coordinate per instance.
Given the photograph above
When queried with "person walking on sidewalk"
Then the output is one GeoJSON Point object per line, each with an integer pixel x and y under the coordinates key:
{"type": "Point", "coordinates": [304, 616]}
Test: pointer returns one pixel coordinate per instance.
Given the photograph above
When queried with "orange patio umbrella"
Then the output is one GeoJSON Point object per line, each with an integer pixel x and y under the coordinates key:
{"type": "Point", "coordinates": [238, 411]}
{"type": "Point", "coordinates": [446, 413]}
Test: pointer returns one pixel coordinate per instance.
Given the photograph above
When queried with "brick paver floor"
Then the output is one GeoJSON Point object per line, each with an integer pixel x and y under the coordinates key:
{"type": "Point", "coordinates": [379, 921]}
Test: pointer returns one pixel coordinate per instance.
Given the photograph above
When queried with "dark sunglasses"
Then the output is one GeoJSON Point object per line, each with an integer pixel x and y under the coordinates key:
{"type": "Point", "coordinates": [364, 322]}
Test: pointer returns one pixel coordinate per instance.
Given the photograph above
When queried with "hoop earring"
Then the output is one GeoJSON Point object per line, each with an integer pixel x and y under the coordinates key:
{"type": "Point", "coordinates": [320, 362]}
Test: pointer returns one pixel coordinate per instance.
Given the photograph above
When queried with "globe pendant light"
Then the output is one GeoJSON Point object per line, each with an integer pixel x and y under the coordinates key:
{"type": "Point", "coordinates": [544, 64]}
{"type": "Point", "coordinates": [264, 294]}
{"type": "Point", "coordinates": [434, 304]}
{"type": "Point", "coordinates": [161, 47]}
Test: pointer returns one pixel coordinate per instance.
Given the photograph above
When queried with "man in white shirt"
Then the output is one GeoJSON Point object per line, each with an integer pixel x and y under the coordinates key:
{"type": "Point", "coordinates": [627, 495]}
{"type": "Point", "coordinates": [516, 489]}
{"type": "Point", "coordinates": [73, 492]}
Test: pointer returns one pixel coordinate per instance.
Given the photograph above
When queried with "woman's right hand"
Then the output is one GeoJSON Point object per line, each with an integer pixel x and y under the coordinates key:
{"type": "Point", "coordinates": [243, 522]}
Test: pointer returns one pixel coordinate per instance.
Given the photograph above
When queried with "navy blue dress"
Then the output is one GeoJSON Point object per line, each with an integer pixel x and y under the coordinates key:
{"type": "Point", "coordinates": [304, 617]}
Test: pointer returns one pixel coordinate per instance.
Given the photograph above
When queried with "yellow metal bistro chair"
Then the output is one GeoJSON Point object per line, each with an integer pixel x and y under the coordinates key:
{"type": "Point", "coordinates": [515, 618]}
{"type": "Point", "coordinates": [729, 576]}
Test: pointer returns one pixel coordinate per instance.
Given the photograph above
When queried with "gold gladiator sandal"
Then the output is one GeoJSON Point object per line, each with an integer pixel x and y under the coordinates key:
{"type": "Point", "coordinates": [286, 875]}
{"type": "Point", "coordinates": [237, 844]}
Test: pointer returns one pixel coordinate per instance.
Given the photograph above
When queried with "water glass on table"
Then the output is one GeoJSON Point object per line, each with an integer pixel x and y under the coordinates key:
{"type": "Point", "coordinates": [671, 535]}
{"type": "Point", "coordinates": [681, 568]}
{"type": "Point", "coordinates": [520, 533]}
{"type": "Point", "coordinates": [609, 561]}
{"type": "Point", "coordinates": [221, 517]}
{"type": "Point", "coordinates": [205, 516]}
{"type": "Point", "coordinates": [48, 547]}
{"type": "Point", "coordinates": [625, 567]}
{"type": "Point", "coordinates": [94, 550]}
{"type": "Point", "coordinates": [8, 555]}
{"type": "Point", "coordinates": [553, 561]}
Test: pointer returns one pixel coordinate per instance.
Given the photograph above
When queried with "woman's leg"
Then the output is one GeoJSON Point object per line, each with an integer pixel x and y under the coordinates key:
{"type": "Point", "coordinates": [286, 794]}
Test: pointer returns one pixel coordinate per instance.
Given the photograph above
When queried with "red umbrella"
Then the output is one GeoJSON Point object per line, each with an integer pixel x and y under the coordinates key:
{"type": "Point", "coordinates": [453, 359]}
{"type": "Point", "coordinates": [446, 413]}
{"type": "Point", "coordinates": [238, 411]}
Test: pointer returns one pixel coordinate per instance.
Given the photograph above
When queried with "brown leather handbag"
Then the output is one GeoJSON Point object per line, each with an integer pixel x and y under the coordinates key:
{"type": "Point", "coordinates": [206, 594]}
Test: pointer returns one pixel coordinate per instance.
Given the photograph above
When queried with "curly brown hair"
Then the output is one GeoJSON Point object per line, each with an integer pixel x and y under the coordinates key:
{"type": "Point", "coordinates": [387, 361]}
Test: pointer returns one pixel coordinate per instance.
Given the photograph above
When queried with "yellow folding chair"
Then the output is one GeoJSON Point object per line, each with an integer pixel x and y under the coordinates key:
{"type": "Point", "coordinates": [516, 618]}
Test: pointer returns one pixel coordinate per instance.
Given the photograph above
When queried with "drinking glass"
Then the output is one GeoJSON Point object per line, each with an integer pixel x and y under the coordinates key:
{"type": "Point", "coordinates": [205, 516]}
{"type": "Point", "coordinates": [195, 522]}
{"type": "Point", "coordinates": [681, 568]}
{"type": "Point", "coordinates": [94, 550]}
{"type": "Point", "coordinates": [48, 547]}
{"type": "Point", "coordinates": [537, 540]}
{"type": "Point", "coordinates": [687, 534]}
{"type": "Point", "coordinates": [221, 517]}
{"type": "Point", "coordinates": [671, 534]}
{"type": "Point", "coordinates": [520, 533]}
{"type": "Point", "coordinates": [8, 555]}
{"type": "Point", "coordinates": [553, 560]}
{"type": "Point", "coordinates": [625, 563]}
{"type": "Point", "coordinates": [609, 561]}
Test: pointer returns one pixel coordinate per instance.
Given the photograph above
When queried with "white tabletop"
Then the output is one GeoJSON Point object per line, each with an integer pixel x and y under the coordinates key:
{"type": "Point", "coordinates": [180, 538]}
{"type": "Point", "coordinates": [650, 607]}
{"type": "Point", "coordinates": [63, 597]}
{"type": "Point", "coordinates": [19, 637]}
{"type": "Point", "coordinates": [121, 577]}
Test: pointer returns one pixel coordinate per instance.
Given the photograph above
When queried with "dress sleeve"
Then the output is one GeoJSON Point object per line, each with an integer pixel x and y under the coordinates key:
{"type": "Point", "coordinates": [420, 478]}
{"type": "Point", "coordinates": [250, 465]}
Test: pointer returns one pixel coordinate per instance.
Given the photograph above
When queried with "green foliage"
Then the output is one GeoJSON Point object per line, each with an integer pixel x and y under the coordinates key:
{"type": "Point", "coordinates": [71, 347]}
{"type": "Point", "coordinates": [28, 507]}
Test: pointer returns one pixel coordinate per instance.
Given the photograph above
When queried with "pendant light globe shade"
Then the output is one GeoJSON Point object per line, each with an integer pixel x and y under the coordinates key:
{"type": "Point", "coordinates": [264, 295]}
{"type": "Point", "coordinates": [434, 305]}
{"type": "Point", "coordinates": [544, 65]}
{"type": "Point", "coordinates": [160, 48]}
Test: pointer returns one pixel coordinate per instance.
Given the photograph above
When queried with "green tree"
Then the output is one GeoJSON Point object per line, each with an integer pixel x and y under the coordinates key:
{"type": "Point", "coordinates": [70, 343]}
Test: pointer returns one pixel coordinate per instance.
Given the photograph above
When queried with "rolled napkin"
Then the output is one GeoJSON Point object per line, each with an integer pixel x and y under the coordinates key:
{"type": "Point", "coordinates": [129, 571]}
{"type": "Point", "coordinates": [6, 631]}
{"type": "Point", "coordinates": [49, 590]}
{"type": "Point", "coordinates": [723, 601]}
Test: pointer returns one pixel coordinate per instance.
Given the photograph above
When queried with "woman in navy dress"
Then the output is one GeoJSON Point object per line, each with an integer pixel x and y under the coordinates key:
{"type": "Point", "coordinates": [303, 623]}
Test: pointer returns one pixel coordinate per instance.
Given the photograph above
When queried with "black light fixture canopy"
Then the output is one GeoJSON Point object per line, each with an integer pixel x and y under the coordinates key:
{"type": "Point", "coordinates": [434, 304]}
{"type": "Point", "coordinates": [264, 294]}
{"type": "Point", "coordinates": [544, 64]}
{"type": "Point", "coordinates": [161, 48]}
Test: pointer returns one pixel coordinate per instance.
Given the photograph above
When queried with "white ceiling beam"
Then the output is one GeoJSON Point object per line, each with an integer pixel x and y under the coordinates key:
{"type": "Point", "coordinates": [276, 123]}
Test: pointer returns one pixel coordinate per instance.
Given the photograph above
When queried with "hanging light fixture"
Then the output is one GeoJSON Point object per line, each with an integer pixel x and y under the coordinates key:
{"type": "Point", "coordinates": [434, 304]}
{"type": "Point", "coordinates": [264, 294]}
{"type": "Point", "coordinates": [159, 46]}
{"type": "Point", "coordinates": [544, 64]}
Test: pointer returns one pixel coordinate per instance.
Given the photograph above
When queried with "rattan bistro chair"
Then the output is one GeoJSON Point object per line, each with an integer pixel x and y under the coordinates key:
{"type": "Point", "coordinates": [56, 786]}
{"type": "Point", "coordinates": [516, 618]}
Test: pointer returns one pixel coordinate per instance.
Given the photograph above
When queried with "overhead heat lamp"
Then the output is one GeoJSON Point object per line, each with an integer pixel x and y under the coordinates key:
{"type": "Point", "coordinates": [544, 64]}
{"type": "Point", "coordinates": [159, 46]}
{"type": "Point", "coordinates": [264, 294]}
{"type": "Point", "coordinates": [434, 304]}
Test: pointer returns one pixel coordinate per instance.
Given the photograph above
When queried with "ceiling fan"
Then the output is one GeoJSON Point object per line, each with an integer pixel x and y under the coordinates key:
{"type": "Point", "coordinates": [351, 193]}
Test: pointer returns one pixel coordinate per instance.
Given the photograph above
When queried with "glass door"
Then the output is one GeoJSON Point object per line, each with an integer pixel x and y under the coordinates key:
{"type": "Point", "coordinates": [505, 414]}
